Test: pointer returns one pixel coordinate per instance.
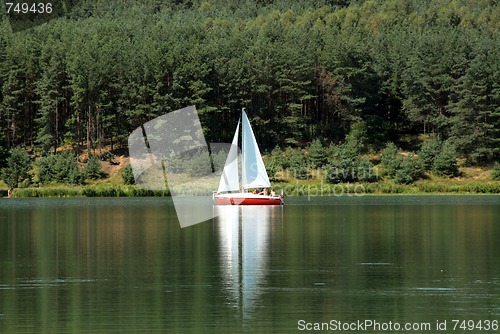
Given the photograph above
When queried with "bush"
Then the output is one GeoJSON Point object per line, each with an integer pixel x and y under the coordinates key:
{"type": "Point", "coordinates": [350, 170]}
{"type": "Point", "coordinates": [198, 164]}
{"type": "Point", "coordinates": [429, 150]}
{"type": "Point", "coordinates": [17, 167]}
{"type": "Point", "coordinates": [296, 161]}
{"type": "Point", "coordinates": [109, 157]}
{"type": "Point", "coordinates": [357, 137]}
{"type": "Point", "coordinates": [495, 172]}
{"type": "Point", "coordinates": [317, 155]}
{"type": "Point", "coordinates": [46, 170]}
{"type": "Point", "coordinates": [345, 164]}
{"type": "Point", "coordinates": [391, 159]}
{"type": "Point", "coordinates": [402, 169]}
{"type": "Point", "coordinates": [336, 174]}
{"type": "Point", "coordinates": [89, 191]}
{"type": "Point", "coordinates": [93, 169]}
{"type": "Point", "coordinates": [219, 159]}
{"type": "Point", "coordinates": [128, 175]}
{"type": "Point", "coordinates": [61, 167]}
{"type": "Point", "coordinates": [340, 164]}
{"type": "Point", "coordinates": [274, 162]}
{"type": "Point", "coordinates": [410, 169]}
{"type": "Point", "coordinates": [445, 163]}
{"type": "Point", "coordinates": [365, 171]}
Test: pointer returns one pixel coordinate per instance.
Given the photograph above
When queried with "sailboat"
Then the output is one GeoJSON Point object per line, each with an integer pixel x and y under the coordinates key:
{"type": "Point", "coordinates": [253, 172]}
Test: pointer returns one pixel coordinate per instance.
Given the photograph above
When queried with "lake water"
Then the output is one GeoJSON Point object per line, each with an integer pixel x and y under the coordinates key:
{"type": "Point", "coordinates": [126, 266]}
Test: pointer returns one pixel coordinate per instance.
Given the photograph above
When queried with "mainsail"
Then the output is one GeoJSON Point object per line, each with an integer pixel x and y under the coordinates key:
{"type": "Point", "coordinates": [253, 169]}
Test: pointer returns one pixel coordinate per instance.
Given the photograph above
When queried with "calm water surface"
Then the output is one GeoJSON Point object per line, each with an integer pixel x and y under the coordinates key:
{"type": "Point", "coordinates": [125, 265]}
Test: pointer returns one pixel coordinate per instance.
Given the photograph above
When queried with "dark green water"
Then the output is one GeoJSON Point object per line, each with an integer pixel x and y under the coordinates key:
{"type": "Point", "coordinates": [125, 265]}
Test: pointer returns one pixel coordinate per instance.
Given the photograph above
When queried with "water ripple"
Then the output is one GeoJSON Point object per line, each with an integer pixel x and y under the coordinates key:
{"type": "Point", "coordinates": [44, 283]}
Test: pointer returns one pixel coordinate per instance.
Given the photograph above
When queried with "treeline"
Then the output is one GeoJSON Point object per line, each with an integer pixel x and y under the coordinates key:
{"type": "Point", "coordinates": [304, 70]}
{"type": "Point", "coordinates": [348, 162]}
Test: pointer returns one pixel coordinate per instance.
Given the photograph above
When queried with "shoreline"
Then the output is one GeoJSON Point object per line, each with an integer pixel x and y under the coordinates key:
{"type": "Point", "coordinates": [295, 189]}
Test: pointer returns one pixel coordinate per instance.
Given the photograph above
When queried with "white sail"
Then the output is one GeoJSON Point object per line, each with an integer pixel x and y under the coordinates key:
{"type": "Point", "coordinates": [229, 180]}
{"type": "Point", "coordinates": [253, 170]}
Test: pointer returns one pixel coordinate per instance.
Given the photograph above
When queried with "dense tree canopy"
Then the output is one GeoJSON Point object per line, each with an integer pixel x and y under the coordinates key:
{"type": "Point", "coordinates": [304, 70]}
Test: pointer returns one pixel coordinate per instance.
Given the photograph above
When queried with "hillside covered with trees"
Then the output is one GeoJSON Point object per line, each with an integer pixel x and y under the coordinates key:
{"type": "Point", "coordinates": [402, 70]}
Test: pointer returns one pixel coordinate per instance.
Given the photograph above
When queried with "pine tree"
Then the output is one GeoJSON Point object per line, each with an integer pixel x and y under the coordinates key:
{"type": "Point", "coordinates": [317, 155]}
{"type": "Point", "coordinates": [3, 150]}
{"type": "Point", "coordinates": [410, 169]}
{"type": "Point", "coordinates": [17, 168]}
{"type": "Point", "coordinates": [50, 88]}
{"type": "Point", "coordinates": [390, 158]}
{"type": "Point", "coordinates": [400, 168]}
{"type": "Point", "coordinates": [445, 163]}
{"type": "Point", "coordinates": [128, 175]}
{"type": "Point", "coordinates": [62, 167]}
{"type": "Point", "coordinates": [429, 151]}
{"type": "Point", "coordinates": [495, 172]}
{"type": "Point", "coordinates": [474, 129]}
{"type": "Point", "coordinates": [93, 169]}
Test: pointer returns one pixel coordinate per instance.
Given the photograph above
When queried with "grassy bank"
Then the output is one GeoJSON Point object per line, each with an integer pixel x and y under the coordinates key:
{"type": "Point", "coordinates": [387, 187]}
{"type": "Point", "coordinates": [296, 188]}
{"type": "Point", "coordinates": [87, 191]}
{"type": "Point", "coordinates": [473, 180]}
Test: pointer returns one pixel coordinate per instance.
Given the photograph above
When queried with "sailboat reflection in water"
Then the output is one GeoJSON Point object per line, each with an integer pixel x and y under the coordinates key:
{"type": "Point", "coordinates": [244, 238]}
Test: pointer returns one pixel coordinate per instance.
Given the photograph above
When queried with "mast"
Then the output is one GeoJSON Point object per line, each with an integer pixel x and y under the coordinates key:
{"type": "Point", "coordinates": [243, 114]}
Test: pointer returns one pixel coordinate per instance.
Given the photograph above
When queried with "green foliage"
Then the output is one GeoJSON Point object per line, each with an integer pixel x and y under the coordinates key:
{"type": "Point", "coordinates": [198, 164]}
{"type": "Point", "coordinates": [193, 163]}
{"type": "Point", "coordinates": [357, 137]}
{"type": "Point", "coordinates": [62, 167]}
{"type": "Point", "coordinates": [429, 151]}
{"type": "Point", "coordinates": [128, 175]}
{"type": "Point", "coordinates": [296, 162]}
{"type": "Point", "coordinates": [274, 162]}
{"type": "Point", "coordinates": [366, 172]}
{"type": "Point", "coordinates": [391, 159]}
{"type": "Point", "coordinates": [93, 169]}
{"type": "Point", "coordinates": [473, 187]}
{"type": "Point", "coordinates": [400, 168]}
{"type": "Point", "coordinates": [379, 69]}
{"type": "Point", "coordinates": [342, 165]}
{"type": "Point", "coordinates": [219, 159]}
{"type": "Point", "coordinates": [109, 157]}
{"type": "Point", "coordinates": [17, 167]}
{"type": "Point", "coordinates": [346, 165]}
{"type": "Point", "coordinates": [474, 107]}
{"type": "Point", "coordinates": [439, 157]}
{"type": "Point", "coordinates": [317, 155]}
{"type": "Point", "coordinates": [89, 191]}
{"type": "Point", "coordinates": [445, 163]}
{"type": "Point", "coordinates": [410, 169]}
{"type": "Point", "coordinates": [3, 150]}
{"type": "Point", "coordinates": [495, 172]}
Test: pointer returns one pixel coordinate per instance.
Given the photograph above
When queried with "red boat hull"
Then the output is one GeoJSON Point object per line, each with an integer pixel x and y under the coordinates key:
{"type": "Point", "coordinates": [249, 199]}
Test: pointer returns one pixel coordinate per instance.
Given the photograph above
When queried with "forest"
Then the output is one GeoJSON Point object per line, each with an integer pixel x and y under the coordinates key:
{"type": "Point", "coordinates": [404, 70]}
